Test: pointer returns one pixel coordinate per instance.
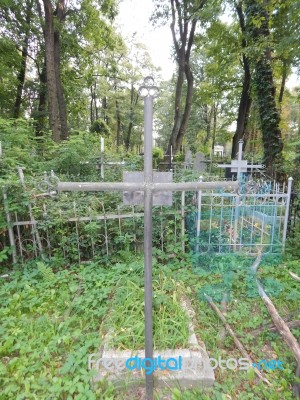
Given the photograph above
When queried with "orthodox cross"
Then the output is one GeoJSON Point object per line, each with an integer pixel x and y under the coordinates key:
{"type": "Point", "coordinates": [147, 188]}
{"type": "Point", "coordinates": [240, 166]}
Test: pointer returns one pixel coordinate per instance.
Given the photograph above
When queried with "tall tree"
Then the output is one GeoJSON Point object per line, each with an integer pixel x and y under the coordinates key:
{"type": "Point", "coordinates": [183, 26]}
{"type": "Point", "coordinates": [22, 71]}
{"type": "Point", "coordinates": [218, 77]}
{"type": "Point", "coordinates": [245, 98]}
{"type": "Point", "coordinates": [184, 17]}
{"type": "Point", "coordinates": [258, 31]}
{"type": "Point", "coordinates": [286, 38]}
{"type": "Point", "coordinates": [15, 21]}
{"type": "Point", "coordinates": [52, 25]}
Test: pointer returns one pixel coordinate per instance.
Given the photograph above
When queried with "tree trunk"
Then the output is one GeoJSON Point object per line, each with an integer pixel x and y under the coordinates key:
{"type": "Point", "coordinates": [60, 12]}
{"type": "Point", "coordinates": [40, 118]}
{"type": "Point", "coordinates": [245, 99]}
{"type": "Point", "coordinates": [60, 94]}
{"type": "Point", "coordinates": [208, 116]}
{"type": "Point", "coordinates": [243, 111]}
{"type": "Point", "coordinates": [186, 22]}
{"type": "Point", "coordinates": [104, 108]}
{"type": "Point", "coordinates": [92, 119]}
{"type": "Point", "coordinates": [53, 106]}
{"type": "Point", "coordinates": [269, 116]}
{"type": "Point", "coordinates": [283, 81]}
{"type": "Point", "coordinates": [130, 125]}
{"type": "Point", "coordinates": [187, 108]}
{"type": "Point", "coordinates": [177, 108]}
{"type": "Point", "coordinates": [56, 102]}
{"type": "Point", "coordinates": [265, 88]}
{"type": "Point", "coordinates": [22, 71]}
{"type": "Point", "coordinates": [214, 114]}
{"type": "Point", "coordinates": [118, 116]}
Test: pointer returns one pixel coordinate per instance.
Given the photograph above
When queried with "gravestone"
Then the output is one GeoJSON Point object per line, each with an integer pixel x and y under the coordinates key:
{"type": "Point", "coordinates": [188, 159]}
{"type": "Point", "coordinates": [199, 163]}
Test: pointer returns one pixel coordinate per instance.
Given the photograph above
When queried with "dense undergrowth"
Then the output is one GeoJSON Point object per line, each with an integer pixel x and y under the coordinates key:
{"type": "Point", "coordinates": [55, 313]}
{"type": "Point", "coordinates": [53, 318]}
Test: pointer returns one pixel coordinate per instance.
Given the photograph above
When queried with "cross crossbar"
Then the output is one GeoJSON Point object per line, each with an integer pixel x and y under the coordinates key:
{"type": "Point", "coordinates": [154, 187]}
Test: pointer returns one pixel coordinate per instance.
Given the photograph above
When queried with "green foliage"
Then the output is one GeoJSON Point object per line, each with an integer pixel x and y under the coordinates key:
{"type": "Point", "coordinates": [51, 318]}
{"type": "Point", "coordinates": [47, 331]}
{"type": "Point", "coordinates": [101, 127]}
{"type": "Point", "coordinates": [8, 72]}
{"type": "Point", "coordinates": [126, 318]}
{"type": "Point", "coordinates": [75, 157]}
{"type": "Point", "coordinates": [18, 145]}
{"type": "Point", "coordinates": [292, 249]}
{"type": "Point", "coordinates": [157, 155]}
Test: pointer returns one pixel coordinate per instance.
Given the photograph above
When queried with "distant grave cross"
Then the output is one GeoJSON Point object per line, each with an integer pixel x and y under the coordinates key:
{"type": "Point", "coordinates": [152, 187]}
{"type": "Point", "coordinates": [239, 166]}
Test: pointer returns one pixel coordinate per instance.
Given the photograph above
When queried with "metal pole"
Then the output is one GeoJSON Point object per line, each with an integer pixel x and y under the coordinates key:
{"type": "Point", "coordinates": [148, 175]}
{"type": "Point", "coordinates": [182, 220]}
{"type": "Point", "coordinates": [240, 154]}
{"type": "Point", "coordinates": [102, 157]}
{"type": "Point", "coordinates": [199, 214]}
{"type": "Point", "coordinates": [10, 228]}
{"type": "Point", "coordinates": [34, 229]}
{"type": "Point", "coordinates": [287, 210]}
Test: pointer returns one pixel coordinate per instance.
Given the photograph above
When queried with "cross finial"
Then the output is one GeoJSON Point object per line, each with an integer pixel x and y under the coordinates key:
{"type": "Point", "coordinates": [148, 89]}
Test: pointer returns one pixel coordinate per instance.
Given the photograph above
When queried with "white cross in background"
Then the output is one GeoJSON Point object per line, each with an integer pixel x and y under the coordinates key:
{"type": "Point", "coordinates": [239, 166]}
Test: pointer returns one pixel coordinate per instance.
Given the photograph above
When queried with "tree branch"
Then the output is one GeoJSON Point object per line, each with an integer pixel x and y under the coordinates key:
{"type": "Point", "coordinates": [294, 276]}
{"type": "Point", "coordinates": [172, 26]}
{"type": "Point", "coordinates": [179, 17]}
{"type": "Point", "coordinates": [237, 342]}
{"type": "Point", "coordinates": [190, 41]}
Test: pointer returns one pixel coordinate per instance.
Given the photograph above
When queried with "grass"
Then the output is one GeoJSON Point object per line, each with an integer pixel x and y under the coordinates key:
{"type": "Point", "coordinates": [126, 320]}
{"type": "Point", "coordinates": [52, 319]}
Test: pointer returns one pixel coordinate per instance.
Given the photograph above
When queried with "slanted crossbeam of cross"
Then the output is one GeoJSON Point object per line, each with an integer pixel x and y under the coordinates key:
{"type": "Point", "coordinates": [148, 91]}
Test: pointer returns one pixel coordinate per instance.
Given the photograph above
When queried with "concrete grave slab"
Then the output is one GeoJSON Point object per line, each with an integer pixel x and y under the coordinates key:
{"type": "Point", "coordinates": [195, 371]}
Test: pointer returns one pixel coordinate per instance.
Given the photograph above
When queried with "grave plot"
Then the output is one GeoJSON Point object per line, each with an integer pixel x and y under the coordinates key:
{"type": "Point", "coordinates": [254, 220]}
{"type": "Point", "coordinates": [224, 221]}
{"type": "Point", "coordinates": [84, 227]}
{"type": "Point", "coordinates": [155, 192]}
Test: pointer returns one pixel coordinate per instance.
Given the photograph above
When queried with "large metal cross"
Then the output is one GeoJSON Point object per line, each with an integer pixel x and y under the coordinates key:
{"type": "Point", "coordinates": [149, 187]}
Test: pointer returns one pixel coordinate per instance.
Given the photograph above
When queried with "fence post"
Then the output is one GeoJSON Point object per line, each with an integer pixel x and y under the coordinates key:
{"type": "Point", "coordinates": [287, 210]}
{"type": "Point", "coordinates": [9, 227]}
{"type": "Point", "coordinates": [34, 229]}
{"type": "Point", "coordinates": [182, 220]}
{"type": "Point", "coordinates": [199, 214]}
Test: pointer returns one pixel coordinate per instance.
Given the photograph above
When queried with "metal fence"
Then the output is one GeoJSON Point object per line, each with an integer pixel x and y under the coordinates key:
{"type": "Point", "coordinates": [82, 227]}
{"type": "Point", "coordinates": [255, 219]}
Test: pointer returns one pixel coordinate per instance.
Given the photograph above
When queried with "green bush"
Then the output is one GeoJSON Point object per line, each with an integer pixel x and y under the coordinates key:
{"type": "Point", "coordinates": [292, 248]}
{"type": "Point", "coordinates": [101, 127]}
